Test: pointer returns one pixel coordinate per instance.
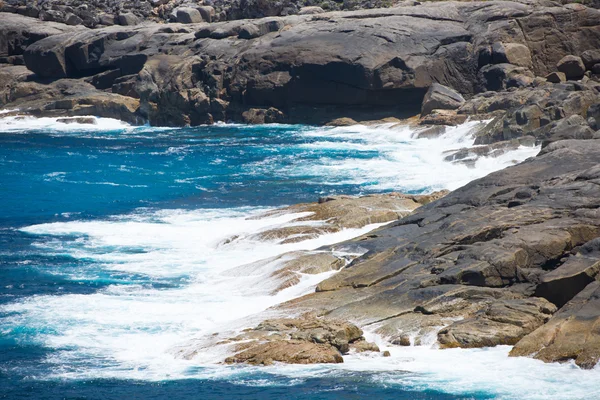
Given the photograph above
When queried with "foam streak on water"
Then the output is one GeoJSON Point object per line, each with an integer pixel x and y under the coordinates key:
{"type": "Point", "coordinates": [160, 277]}
{"type": "Point", "coordinates": [135, 326]}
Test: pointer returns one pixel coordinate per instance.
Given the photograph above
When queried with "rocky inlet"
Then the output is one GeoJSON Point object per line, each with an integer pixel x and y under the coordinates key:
{"type": "Point", "coordinates": [509, 259]}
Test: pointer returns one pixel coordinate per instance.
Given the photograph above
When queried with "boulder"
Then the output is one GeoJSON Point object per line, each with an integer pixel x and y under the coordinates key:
{"type": "Point", "coordinates": [495, 77]}
{"type": "Point", "coordinates": [500, 323]}
{"type": "Point", "coordinates": [249, 31]}
{"type": "Point", "coordinates": [590, 58]}
{"type": "Point", "coordinates": [344, 121]}
{"type": "Point", "coordinates": [128, 19]}
{"type": "Point", "coordinates": [288, 351]}
{"type": "Point", "coordinates": [52, 15]}
{"type": "Point", "coordinates": [431, 132]}
{"type": "Point", "coordinates": [593, 114]}
{"type": "Point", "coordinates": [443, 117]}
{"type": "Point", "coordinates": [440, 97]}
{"type": "Point", "coordinates": [78, 120]}
{"type": "Point", "coordinates": [72, 19]}
{"type": "Point", "coordinates": [207, 12]}
{"type": "Point", "coordinates": [571, 334]}
{"type": "Point", "coordinates": [571, 66]}
{"type": "Point", "coordinates": [104, 80]}
{"type": "Point", "coordinates": [556, 77]}
{"type": "Point", "coordinates": [188, 15]}
{"type": "Point", "coordinates": [262, 116]}
{"type": "Point", "coordinates": [342, 212]}
{"type": "Point", "coordinates": [362, 346]}
{"type": "Point", "coordinates": [563, 283]}
{"type": "Point", "coordinates": [573, 127]}
{"type": "Point", "coordinates": [107, 19]}
{"type": "Point", "coordinates": [511, 53]}
{"type": "Point", "coordinates": [304, 340]}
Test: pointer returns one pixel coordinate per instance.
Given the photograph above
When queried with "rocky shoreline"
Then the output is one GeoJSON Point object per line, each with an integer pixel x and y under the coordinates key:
{"type": "Point", "coordinates": [511, 258]}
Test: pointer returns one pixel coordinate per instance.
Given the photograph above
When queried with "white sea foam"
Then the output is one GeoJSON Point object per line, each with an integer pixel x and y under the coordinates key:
{"type": "Point", "coordinates": [404, 162]}
{"type": "Point", "coordinates": [27, 123]}
{"type": "Point", "coordinates": [459, 372]}
{"type": "Point", "coordinates": [136, 327]}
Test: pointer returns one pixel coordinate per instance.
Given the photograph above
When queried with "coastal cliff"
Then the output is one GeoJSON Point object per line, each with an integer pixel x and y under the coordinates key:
{"type": "Point", "coordinates": [509, 259]}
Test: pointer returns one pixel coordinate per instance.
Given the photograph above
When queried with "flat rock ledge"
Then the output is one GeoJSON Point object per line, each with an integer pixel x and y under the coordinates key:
{"type": "Point", "coordinates": [335, 213]}
{"type": "Point", "coordinates": [328, 215]}
{"type": "Point", "coordinates": [304, 340]}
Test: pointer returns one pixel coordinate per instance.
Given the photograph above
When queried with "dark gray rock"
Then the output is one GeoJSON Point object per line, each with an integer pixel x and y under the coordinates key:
{"type": "Point", "coordinates": [440, 97]}
{"type": "Point", "coordinates": [497, 77]}
{"type": "Point", "coordinates": [207, 12]}
{"type": "Point", "coordinates": [249, 31]}
{"type": "Point", "coordinates": [512, 53]}
{"type": "Point", "coordinates": [72, 19]}
{"type": "Point", "coordinates": [262, 116]}
{"type": "Point", "coordinates": [563, 283]}
{"type": "Point", "coordinates": [18, 32]}
{"type": "Point", "coordinates": [303, 66]}
{"type": "Point", "coordinates": [571, 66]}
{"type": "Point", "coordinates": [107, 19]}
{"type": "Point", "coordinates": [556, 77]}
{"type": "Point", "coordinates": [128, 19]}
{"type": "Point", "coordinates": [593, 114]}
{"type": "Point", "coordinates": [481, 253]}
{"type": "Point", "coordinates": [188, 15]}
{"type": "Point", "coordinates": [590, 58]}
{"type": "Point", "coordinates": [573, 127]}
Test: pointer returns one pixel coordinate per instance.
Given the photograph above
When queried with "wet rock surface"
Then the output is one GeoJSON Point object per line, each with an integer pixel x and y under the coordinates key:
{"type": "Point", "coordinates": [329, 215]}
{"type": "Point", "coordinates": [304, 340]}
{"type": "Point", "coordinates": [488, 264]}
{"type": "Point", "coordinates": [335, 213]}
{"type": "Point", "coordinates": [571, 334]}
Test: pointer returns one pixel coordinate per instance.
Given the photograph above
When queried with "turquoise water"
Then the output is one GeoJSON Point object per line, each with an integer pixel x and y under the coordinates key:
{"type": "Point", "coordinates": [113, 244]}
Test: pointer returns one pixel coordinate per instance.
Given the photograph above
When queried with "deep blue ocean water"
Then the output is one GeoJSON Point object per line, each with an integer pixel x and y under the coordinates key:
{"type": "Point", "coordinates": [74, 275]}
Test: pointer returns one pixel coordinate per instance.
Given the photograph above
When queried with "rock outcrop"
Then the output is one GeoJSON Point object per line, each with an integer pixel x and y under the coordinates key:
{"type": "Point", "coordinates": [329, 215]}
{"type": "Point", "coordinates": [99, 13]}
{"type": "Point", "coordinates": [572, 334]}
{"type": "Point", "coordinates": [335, 213]}
{"type": "Point", "coordinates": [299, 68]}
{"type": "Point", "coordinates": [487, 264]}
{"type": "Point", "coordinates": [440, 97]}
{"type": "Point", "coordinates": [304, 340]}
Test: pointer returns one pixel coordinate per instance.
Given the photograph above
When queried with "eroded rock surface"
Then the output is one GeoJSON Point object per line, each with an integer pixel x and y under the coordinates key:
{"type": "Point", "coordinates": [304, 340]}
{"type": "Point", "coordinates": [572, 334]}
{"type": "Point", "coordinates": [486, 265]}
{"type": "Point", "coordinates": [334, 213]}
{"type": "Point", "coordinates": [299, 68]}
